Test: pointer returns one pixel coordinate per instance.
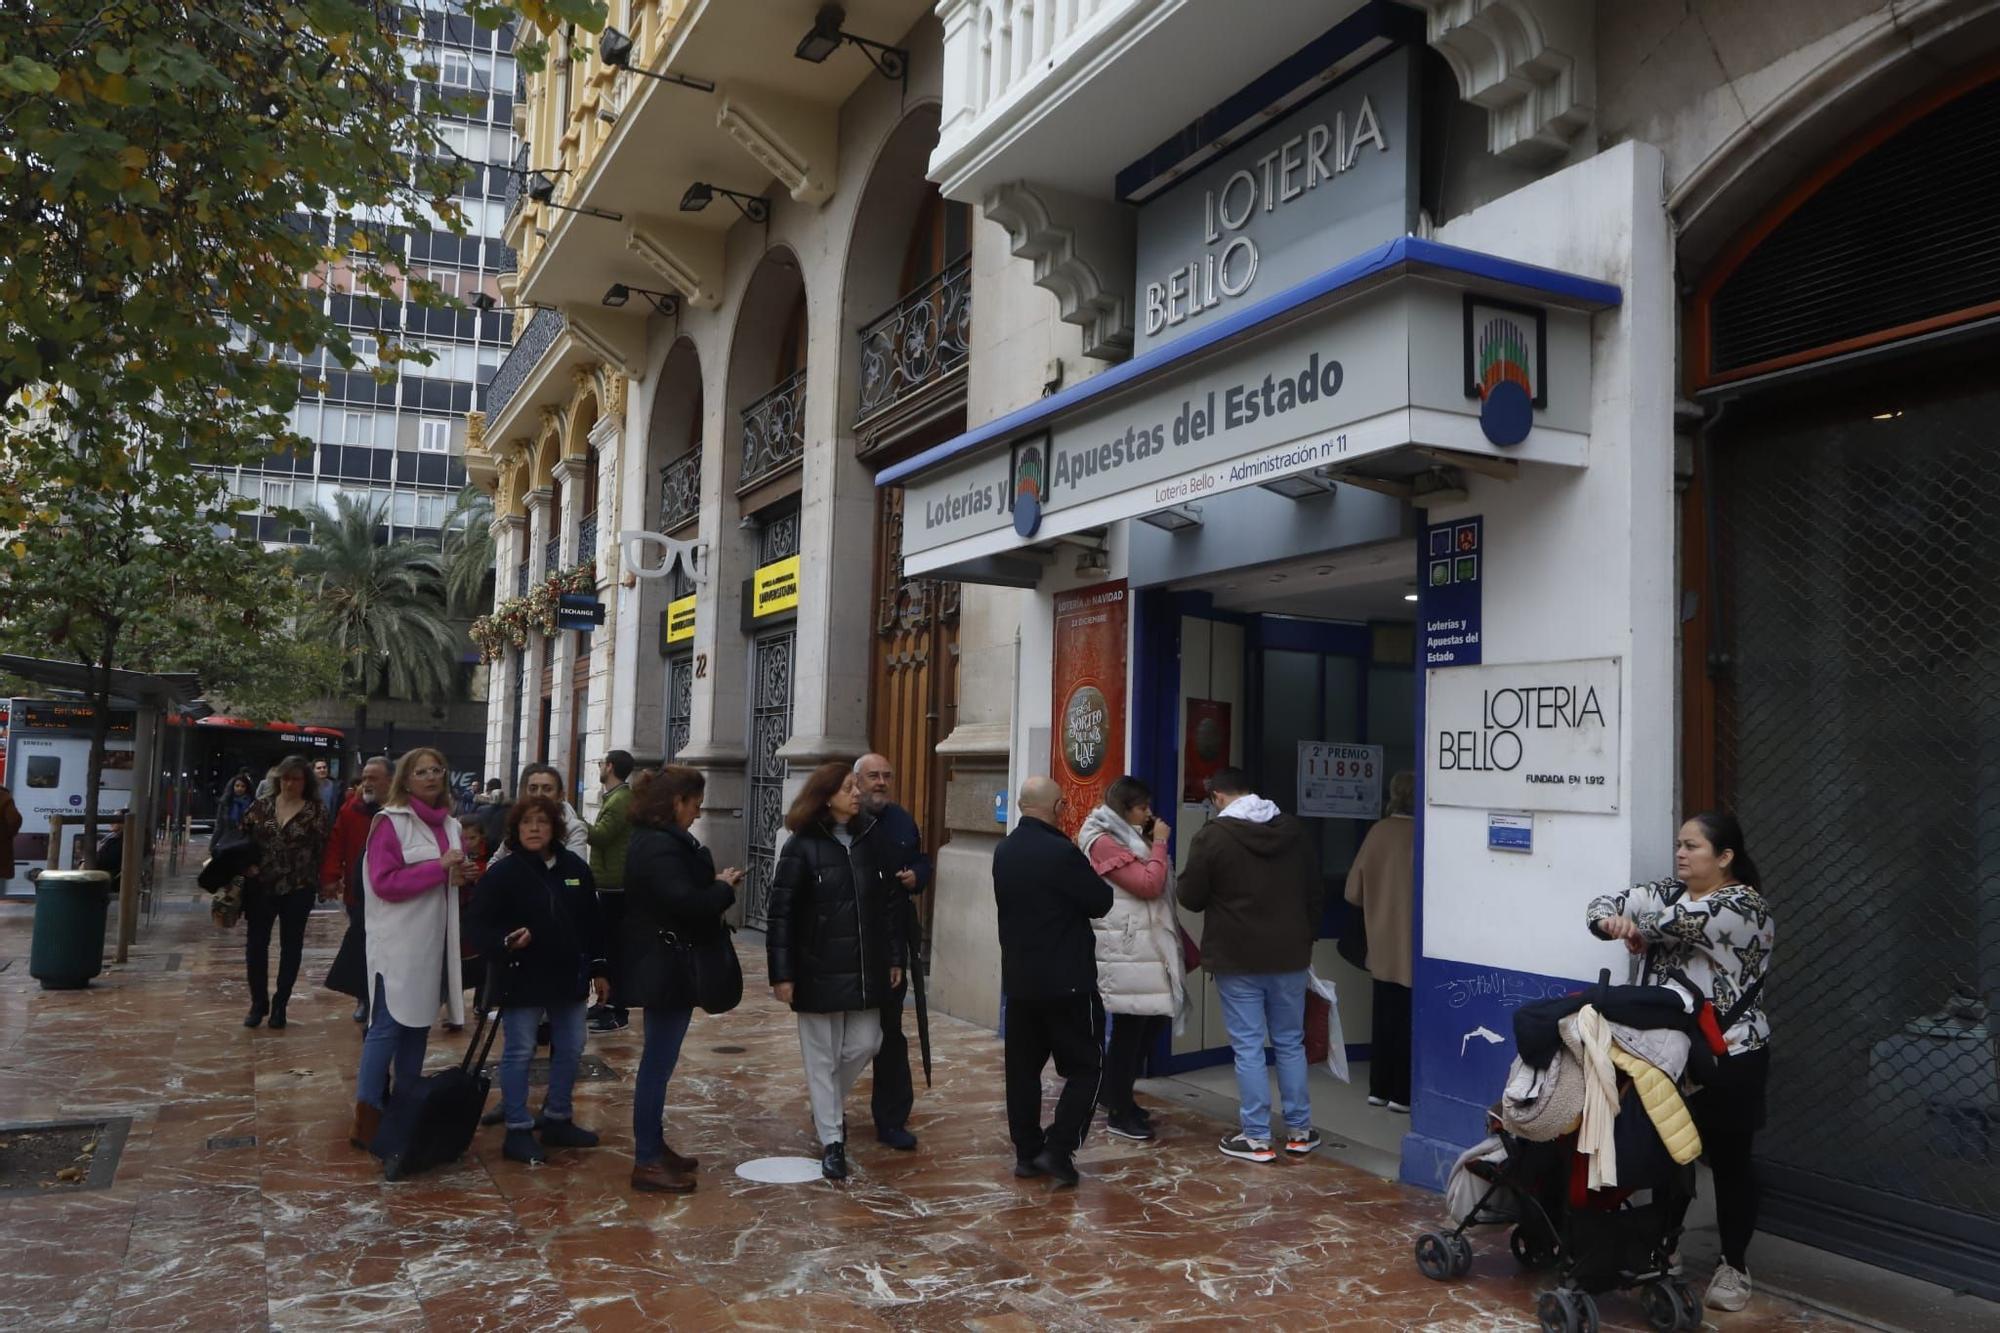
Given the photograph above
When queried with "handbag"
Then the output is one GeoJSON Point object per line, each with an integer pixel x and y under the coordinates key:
{"type": "Point", "coordinates": [713, 973]}
{"type": "Point", "coordinates": [1190, 950]}
{"type": "Point", "coordinates": [228, 905]}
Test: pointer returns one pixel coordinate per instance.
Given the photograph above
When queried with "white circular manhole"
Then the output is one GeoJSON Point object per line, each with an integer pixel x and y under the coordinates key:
{"type": "Point", "coordinates": [780, 1170]}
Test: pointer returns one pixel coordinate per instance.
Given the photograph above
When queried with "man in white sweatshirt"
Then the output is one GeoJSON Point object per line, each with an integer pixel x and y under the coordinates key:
{"type": "Point", "coordinates": [544, 780]}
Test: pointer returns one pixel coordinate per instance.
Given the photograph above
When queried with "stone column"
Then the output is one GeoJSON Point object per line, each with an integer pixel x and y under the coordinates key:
{"type": "Point", "coordinates": [720, 707]}
{"type": "Point", "coordinates": [564, 723]}
{"type": "Point", "coordinates": [509, 535]}
{"type": "Point", "coordinates": [597, 722]}
{"type": "Point", "coordinates": [538, 648]}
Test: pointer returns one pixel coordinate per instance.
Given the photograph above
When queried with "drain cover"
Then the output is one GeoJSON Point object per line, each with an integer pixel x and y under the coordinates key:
{"type": "Point", "coordinates": [730, 1050]}
{"type": "Point", "coordinates": [780, 1170]}
{"type": "Point", "coordinates": [222, 1141]}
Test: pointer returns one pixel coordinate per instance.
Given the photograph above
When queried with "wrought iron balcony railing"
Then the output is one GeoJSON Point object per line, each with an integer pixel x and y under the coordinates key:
{"type": "Point", "coordinates": [586, 539]}
{"type": "Point", "coordinates": [680, 490]}
{"type": "Point", "coordinates": [551, 556]}
{"type": "Point", "coordinates": [925, 337]}
{"type": "Point", "coordinates": [516, 181]}
{"type": "Point", "coordinates": [521, 579]}
{"type": "Point", "coordinates": [774, 434]}
{"type": "Point", "coordinates": [522, 358]}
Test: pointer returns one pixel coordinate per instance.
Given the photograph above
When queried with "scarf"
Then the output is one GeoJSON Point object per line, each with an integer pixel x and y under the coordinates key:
{"type": "Point", "coordinates": [1103, 822]}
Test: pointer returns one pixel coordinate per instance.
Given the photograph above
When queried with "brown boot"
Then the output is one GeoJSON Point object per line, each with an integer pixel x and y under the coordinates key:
{"type": "Point", "coordinates": [686, 1166]}
{"type": "Point", "coordinates": [367, 1119]}
{"type": "Point", "coordinates": [661, 1178]}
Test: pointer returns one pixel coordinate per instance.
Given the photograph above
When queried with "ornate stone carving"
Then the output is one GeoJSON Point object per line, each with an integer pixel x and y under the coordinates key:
{"type": "Point", "coordinates": [1082, 252]}
{"type": "Point", "coordinates": [1530, 63]}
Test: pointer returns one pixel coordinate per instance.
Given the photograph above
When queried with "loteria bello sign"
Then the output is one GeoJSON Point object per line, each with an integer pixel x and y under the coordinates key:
{"type": "Point", "coordinates": [1531, 736]}
{"type": "Point", "coordinates": [1333, 177]}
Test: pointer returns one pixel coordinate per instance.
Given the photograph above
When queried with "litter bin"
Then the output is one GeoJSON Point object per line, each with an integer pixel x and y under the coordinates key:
{"type": "Point", "coordinates": [68, 948]}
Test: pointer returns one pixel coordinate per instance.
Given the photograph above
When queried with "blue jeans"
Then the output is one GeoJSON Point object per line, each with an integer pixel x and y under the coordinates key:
{"type": "Point", "coordinates": [388, 1042]}
{"type": "Point", "coordinates": [1252, 1004]}
{"type": "Point", "coordinates": [666, 1029]}
{"type": "Point", "coordinates": [520, 1023]}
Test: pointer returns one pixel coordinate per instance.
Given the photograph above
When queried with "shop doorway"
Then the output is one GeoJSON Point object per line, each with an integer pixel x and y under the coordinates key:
{"type": "Point", "coordinates": [1314, 651]}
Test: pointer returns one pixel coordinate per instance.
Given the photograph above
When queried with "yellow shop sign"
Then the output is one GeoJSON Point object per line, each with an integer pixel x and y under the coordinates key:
{"type": "Point", "coordinates": [680, 619]}
{"type": "Point", "coordinates": [776, 588]}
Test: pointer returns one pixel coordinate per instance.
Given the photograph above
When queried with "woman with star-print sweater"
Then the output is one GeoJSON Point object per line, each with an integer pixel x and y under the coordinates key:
{"type": "Point", "coordinates": [1712, 923]}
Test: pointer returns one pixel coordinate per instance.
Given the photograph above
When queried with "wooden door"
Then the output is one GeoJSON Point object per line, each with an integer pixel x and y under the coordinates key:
{"type": "Point", "coordinates": [913, 694]}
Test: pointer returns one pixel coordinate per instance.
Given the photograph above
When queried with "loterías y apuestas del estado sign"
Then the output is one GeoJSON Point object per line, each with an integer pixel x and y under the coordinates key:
{"type": "Point", "coordinates": [1528, 736]}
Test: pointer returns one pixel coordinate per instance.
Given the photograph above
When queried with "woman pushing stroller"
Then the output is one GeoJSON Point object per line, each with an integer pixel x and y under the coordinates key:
{"type": "Point", "coordinates": [1711, 923]}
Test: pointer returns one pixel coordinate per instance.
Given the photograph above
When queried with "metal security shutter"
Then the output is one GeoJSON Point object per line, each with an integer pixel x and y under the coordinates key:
{"type": "Point", "coordinates": [1857, 662]}
{"type": "Point", "coordinates": [1908, 235]}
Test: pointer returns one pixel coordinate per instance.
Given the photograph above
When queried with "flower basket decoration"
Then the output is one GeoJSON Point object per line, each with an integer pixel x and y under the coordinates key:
{"type": "Point", "coordinates": [514, 619]}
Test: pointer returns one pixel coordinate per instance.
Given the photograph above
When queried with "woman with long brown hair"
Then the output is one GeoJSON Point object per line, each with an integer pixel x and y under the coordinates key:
{"type": "Point", "coordinates": [290, 829]}
{"type": "Point", "coordinates": [673, 896]}
{"type": "Point", "coordinates": [835, 944]}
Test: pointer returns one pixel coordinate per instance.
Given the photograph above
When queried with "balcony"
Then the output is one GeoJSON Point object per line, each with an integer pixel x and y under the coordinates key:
{"type": "Point", "coordinates": [551, 556]}
{"type": "Point", "coordinates": [774, 437]}
{"type": "Point", "coordinates": [521, 579]}
{"type": "Point", "coordinates": [920, 343]}
{"type": "Point", "coordinates": [514, 192]}
{"type": "Point", "coordinates": [680, 491]}
{"type": "Point", "coordinates": [586, 540]}
{"type": "Point", "coordinates": [522, 358]}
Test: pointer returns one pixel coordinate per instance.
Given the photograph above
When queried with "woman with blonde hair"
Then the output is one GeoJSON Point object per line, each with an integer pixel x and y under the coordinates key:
{"type": "Point", "coordinates": [290, 829]}
{"type": "Point", "coordinates": [410, 874]}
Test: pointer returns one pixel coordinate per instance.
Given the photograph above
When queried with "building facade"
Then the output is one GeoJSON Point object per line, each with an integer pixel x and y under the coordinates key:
{"type": "Point", "coordinates": [1575, 405]}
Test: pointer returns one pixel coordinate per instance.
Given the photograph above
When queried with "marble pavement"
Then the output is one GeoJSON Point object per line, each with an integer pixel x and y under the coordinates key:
{"type": "Point", "coordinates": [300, 1232]}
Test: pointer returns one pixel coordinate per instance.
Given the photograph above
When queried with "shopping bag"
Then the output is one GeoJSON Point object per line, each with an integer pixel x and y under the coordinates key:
{"type": "Point", "coordinates": [1336, 1040]}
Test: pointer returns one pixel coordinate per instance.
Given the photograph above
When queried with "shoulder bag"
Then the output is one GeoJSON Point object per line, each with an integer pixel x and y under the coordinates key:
{"type": "Point", "coordinates": [712, 974]}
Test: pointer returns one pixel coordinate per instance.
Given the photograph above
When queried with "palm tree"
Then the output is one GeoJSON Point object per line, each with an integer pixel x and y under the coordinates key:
{"type": "Point", "coordinates": [382, 604]}
{"type": "Point", "coordinates": [468, 553]}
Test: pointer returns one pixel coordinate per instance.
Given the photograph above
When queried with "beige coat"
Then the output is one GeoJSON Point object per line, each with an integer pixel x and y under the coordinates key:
{"type": "Point", "coordinates": [1383, 885]}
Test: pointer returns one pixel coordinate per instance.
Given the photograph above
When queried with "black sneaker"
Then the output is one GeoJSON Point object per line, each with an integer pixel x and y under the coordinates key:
{"type": "Point", "coordinates": [898, 1138]}
{"type": "Point", "coordinates": [520, 1146]}
{"type": "Point", "coordinates": [566, 1134]}
{"type": "Point", "coordinates": [833, 1161]}
{"type": "Point", "coordinates": [1049, 1162]}
{"type": "Point", "coordinates": [610, 1021]}
{"type": "Point", "coordinates": [1248, 1149]}
{"type": "Point", "coordinates": [1299, 1142]}
{"type": "Point", "coordinates": [1128, 1125]}
{"type": "Point", "coordinates": [1025, 1168]}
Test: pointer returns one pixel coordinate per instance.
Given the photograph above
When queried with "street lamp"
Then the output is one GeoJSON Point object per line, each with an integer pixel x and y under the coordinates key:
{"type": "Point", "coordinates": [701, 194]}
{"type": "Point", "coordinates": [542, 190]}
{"type": "Point", "coordinates": [614, 48]}
{"type": "Point", "coordinates": [827, 33]}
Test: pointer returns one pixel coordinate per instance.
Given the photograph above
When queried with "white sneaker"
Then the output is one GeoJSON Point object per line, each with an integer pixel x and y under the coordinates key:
{"type": "Point", "coordinates": [1378, 1101]}
{"type": "Point", "coordinates": [1729, 1289]}
{"type": "Point", "coordinates": [1399, 1108]}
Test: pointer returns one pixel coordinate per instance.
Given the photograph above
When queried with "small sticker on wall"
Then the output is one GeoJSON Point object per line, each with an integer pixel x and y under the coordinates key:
{"type": "Point", "coordinates": [1510, 833]}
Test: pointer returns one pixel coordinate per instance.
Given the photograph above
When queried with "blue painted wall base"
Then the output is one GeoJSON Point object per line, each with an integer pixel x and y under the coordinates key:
{"type": "Point", "coordinates": [1462, 1022]}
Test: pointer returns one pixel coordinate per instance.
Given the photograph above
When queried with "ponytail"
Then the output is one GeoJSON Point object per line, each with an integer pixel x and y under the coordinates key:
{"type": "Point", "coordinates": [1726, 835]}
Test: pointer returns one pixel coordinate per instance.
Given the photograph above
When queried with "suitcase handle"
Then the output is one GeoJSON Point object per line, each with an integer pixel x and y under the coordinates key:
{"type": "Point", "coordinates": [489, 1021]}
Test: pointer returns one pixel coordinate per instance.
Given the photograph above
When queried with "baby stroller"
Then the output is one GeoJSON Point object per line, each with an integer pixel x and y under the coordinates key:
{"type": "Point", "coordinates": [1595, 1240]}
{"type": "Point", "coordinates": [1621, 1238]}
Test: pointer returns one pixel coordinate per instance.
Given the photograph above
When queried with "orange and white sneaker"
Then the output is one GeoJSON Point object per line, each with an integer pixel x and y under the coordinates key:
{"type": "Point", "coordinates": [1299, 1142]}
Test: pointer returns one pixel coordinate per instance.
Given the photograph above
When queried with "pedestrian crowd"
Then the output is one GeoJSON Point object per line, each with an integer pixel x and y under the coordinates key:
{"type": "Point", "coordinates": [568, 926]}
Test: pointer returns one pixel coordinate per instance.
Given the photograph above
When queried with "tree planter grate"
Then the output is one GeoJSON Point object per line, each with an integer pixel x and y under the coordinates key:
{"type": "Point", "coordinates": [61, 1156]}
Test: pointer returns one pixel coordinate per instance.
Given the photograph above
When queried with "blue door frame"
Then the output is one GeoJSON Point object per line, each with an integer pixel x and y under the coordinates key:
{"type": "Point", "coordinates": [1156, 727]}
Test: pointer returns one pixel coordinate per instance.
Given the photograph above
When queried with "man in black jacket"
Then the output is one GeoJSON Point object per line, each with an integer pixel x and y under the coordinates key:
{"type": "Point", "coordinates": [1047, 895]}
{"type": "Point", "coordinates": [895, 1092]}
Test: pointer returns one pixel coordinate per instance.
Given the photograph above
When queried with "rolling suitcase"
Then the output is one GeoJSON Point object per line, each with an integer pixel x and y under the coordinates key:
{"type": "Point", "coordinates": [432, 1122]}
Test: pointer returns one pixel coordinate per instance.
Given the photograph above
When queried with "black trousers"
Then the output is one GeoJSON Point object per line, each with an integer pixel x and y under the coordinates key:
{"type": "Point", "coordinates": [1728, 1112]}
{"type": "Point", "coordinates": [1071, 1029]}
{"type": "Point", "coordinates": [1389, 1057]}
{"type": "Point", "coordinates": [1132, 1035]}
{"type": "Point", "coordinates": [261, 908]}
{"type": "Point", "coordinates": [894, 1093]}
{"type": "Point", "coordinates": [611, 908]}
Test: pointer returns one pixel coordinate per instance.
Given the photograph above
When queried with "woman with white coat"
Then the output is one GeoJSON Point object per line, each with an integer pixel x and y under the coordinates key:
{"type": "Point", "coordinates": [410, 874]}
{"type": "Point", "coordinates": [1138, 942]}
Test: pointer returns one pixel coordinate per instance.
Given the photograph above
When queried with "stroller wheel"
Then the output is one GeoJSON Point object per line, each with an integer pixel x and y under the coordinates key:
{"type": "Point", "coordinates": [1434, 1256]}
{"type": "Point", "coordinates": [1566, 1311]}
{"type": "Point", "coordinates": [1690, 1307]}
{"type": "Point", "coordinates": [1532, 1248]}
{"type": "Point", "coordinates": [1461, 1253]}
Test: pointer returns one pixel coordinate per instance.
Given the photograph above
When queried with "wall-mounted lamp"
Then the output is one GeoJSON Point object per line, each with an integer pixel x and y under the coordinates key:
{"type": "Point", "coordinates": [1301, 485]}
{"type": "Point", "coordinates": [486, 305]}
{"type": "Point", "coordinates": [542, 190]}
{"type": "Point", "coordinates": [1177, 518]}
{"type": "Point", "coordinates": [701, 194]}
{"type": "Point", "coordinates": [827, 34]}
{"type": "Point", "coordinates": [618, 294]}
{"type": "Point", "coordinates": [614, 48]}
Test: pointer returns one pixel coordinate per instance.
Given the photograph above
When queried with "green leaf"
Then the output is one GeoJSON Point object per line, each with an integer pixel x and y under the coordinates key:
{"type": "Point", "coordinates": [113, 60]}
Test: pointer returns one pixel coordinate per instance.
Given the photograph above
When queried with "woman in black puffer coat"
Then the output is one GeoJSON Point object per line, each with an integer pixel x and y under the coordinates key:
{"type": "Point", "coordinates": [834, 944]}
{"type": "Point", "coordinates": [671, 888]}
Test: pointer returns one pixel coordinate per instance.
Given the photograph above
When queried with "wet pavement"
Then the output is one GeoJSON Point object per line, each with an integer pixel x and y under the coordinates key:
{"type": "Point", "coordinates": [204, 1229]}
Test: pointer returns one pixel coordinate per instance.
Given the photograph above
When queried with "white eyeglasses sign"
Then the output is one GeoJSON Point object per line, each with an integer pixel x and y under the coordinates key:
{"type": "Point", "coordinates": [691, 556]}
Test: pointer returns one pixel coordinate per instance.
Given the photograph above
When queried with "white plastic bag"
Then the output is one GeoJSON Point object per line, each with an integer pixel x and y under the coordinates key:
{"type": "Point", "coordinates": [1336, 1041]}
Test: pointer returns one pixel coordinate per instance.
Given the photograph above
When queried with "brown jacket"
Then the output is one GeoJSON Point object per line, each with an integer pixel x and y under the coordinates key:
{"type": "Point", "coordinates": [1260, 887]}
{"type": "Point", "coordinates": [10, 824]}
{"type": "Point", "coordinates": [1383, 885]}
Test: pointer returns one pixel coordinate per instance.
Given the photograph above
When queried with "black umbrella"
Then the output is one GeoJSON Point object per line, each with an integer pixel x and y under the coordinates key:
{"type": "Point", "coordinates": [916, 970]}
{"type": "Point", "coordinates": [231, 855]}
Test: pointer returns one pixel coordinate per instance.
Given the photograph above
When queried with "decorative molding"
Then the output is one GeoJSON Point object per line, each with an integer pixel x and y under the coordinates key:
{"type": "Point", "coordinates": [618, 341]}
{"type": "Point", "coordinates": [689, 258]}
{"type": "Point", "coordinates": [1530, 63]}
{"type": "Point", "coordinates": [1085, 258]}
{"type": "Point", "coordinates": [795, 141]}
{"type": "Point", "coordinates": [615, 384]}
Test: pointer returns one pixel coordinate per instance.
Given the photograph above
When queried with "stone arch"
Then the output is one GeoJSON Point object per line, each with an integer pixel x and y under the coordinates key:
{"type": "Point", "coordinates": [766, 347]}
{"type": "Point", "coordinates": [547, 448]}
{"type": "Point", "coordinates": [674, 429]}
